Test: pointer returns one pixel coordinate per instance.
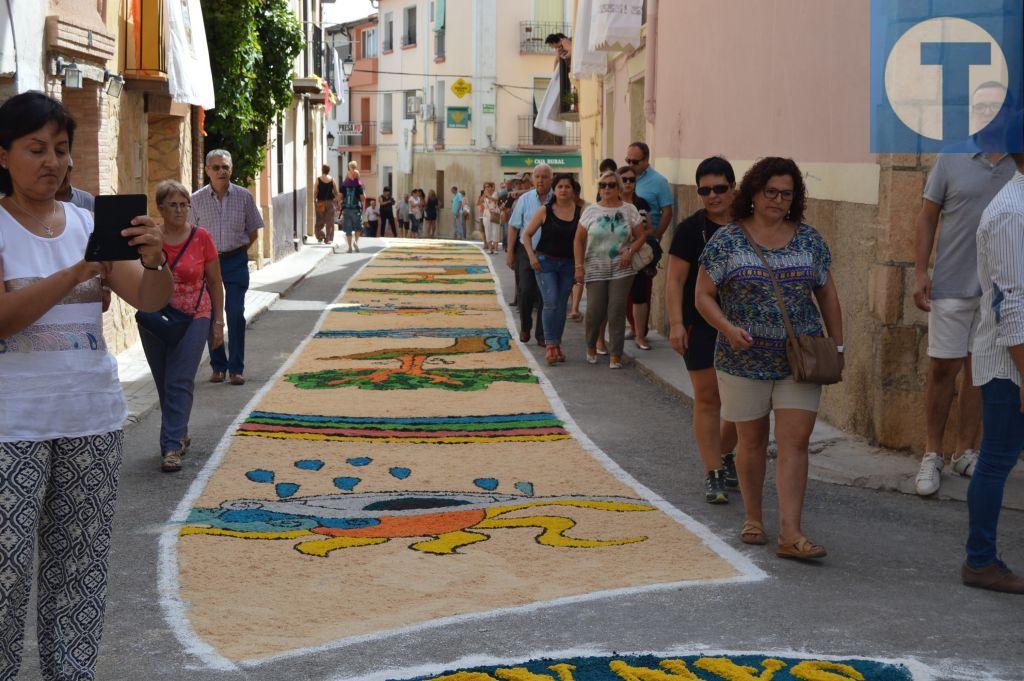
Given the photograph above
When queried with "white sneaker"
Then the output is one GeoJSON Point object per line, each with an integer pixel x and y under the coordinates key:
{"type": "Point", "coordinates": [929, 477]}
{"type": "Point", "coordinates": [965, 463]}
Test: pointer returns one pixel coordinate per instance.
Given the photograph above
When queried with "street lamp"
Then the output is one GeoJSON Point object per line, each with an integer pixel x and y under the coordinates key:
{"type": "Point", "coordinates": [113, 84]}
{"type": "Point", "coordinates": [330, 140]}
{"type": "Point", "coordinates": [71, 72]}
{"type": "Point", "coordinates": [347, 66]}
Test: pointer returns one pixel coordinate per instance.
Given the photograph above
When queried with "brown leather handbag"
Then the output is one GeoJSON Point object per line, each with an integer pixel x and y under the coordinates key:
{"type": "Point", "coordinates": [812, 359]}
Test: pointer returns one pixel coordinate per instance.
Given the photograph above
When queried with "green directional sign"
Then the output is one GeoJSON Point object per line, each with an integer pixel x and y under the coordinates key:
{"type": "Point", "coordinates": [556, 161]}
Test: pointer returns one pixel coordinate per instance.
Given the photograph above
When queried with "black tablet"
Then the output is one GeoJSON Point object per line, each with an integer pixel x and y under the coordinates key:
{"type": "Point", "coordinates": [113, 214]}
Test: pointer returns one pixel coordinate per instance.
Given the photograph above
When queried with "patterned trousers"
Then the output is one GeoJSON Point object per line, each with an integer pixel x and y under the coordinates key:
{"type": "Point", "coordinates": [61, 491]}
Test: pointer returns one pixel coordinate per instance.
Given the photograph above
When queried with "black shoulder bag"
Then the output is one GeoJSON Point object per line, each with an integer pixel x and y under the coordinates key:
{"type": "Point", "coordinates": [169, 324]}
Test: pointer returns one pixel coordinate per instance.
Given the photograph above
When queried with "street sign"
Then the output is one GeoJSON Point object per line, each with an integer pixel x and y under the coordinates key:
{"type": "Point", "coordinates": [458, 117]}
{"type": "Point", "coordinates": [529, 161]}
{"type": "Point", "coordinates": [461, 88]}
{"type": "Point", "coordinates": [488, 108]}
{"type": "Point", "coordinates": [350, 129]}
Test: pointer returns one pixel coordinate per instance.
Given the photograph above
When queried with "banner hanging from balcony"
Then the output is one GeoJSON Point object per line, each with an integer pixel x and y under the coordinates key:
{"type": "Point", "coordinates": [21, 43]}
{"type": "Point", "coordinates": [615, 26]}
{"type": "Point", "coordinates": [189, 78]}
{"type": "Point", "coordinates": [547, 113]}
{"type": "Point", "coordinates": [407, 132]}
{"type": "Point", "coordinates": [585, 61]}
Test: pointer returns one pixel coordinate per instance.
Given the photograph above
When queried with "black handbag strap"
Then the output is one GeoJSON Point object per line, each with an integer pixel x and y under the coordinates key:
{"type": "Point", "coordinates": [779, 299]}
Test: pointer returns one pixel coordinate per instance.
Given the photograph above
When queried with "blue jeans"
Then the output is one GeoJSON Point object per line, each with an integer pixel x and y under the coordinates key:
{"type": "Point", "coordinates": [1000, 448]}
{"type": "Point", "coordinates": [235, 270]}
{"type": "Point", "coordinates": [555, 282]}
{"type": "Point", "coordinates": [459, 225]}
{"type": "Point", "coordinates": [174, 372]}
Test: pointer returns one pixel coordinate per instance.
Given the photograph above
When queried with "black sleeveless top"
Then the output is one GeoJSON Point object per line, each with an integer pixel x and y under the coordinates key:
{"type": "Point", "coordinates": [557, 235]}
{"type": "Point", "coordinates": [324, 190]}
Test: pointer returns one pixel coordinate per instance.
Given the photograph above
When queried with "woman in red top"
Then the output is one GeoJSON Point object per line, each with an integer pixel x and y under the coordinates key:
{"type": "Point", "coordinates": [198, 291]}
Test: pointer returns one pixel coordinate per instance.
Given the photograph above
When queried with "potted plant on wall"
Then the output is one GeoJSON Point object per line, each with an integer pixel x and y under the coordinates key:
{"type": "Point", "coordinates": [569, 109]}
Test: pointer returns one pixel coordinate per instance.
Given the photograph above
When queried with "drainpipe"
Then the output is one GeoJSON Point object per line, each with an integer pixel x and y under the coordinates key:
{"type": "Point", "coordinates": [650, 61]}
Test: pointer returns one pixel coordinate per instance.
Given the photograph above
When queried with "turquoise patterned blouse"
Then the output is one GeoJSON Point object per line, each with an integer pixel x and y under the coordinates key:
{"type": "Point", "coordinates": [748, 298]}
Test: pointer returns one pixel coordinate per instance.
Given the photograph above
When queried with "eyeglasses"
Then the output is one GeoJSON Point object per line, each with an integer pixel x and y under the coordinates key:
{"type": "Point", "coordinates": [219, 168]}
{"type": "Point", "coordinates": [176, 206]}
{"type": "Point", "coordinates": [634, 161]}
{"type": "Point", "coordinates": [607, 185]}
{"type": "Point", "coordinates": [987, 107]}
{"type": "Point", "coordinates": [628, 179]}
{"type": "Point", "coordinates": [771, 193]}
{"type": "Point", "coordinates": [718, 189]}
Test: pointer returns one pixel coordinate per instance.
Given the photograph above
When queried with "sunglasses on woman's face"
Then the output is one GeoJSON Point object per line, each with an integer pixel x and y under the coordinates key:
{"type": "Point", "coordinates": [607, 185]}
{"type": "Point", "coordinates": [626, 179]}
{"type": "Point", "coordinates": [718, 189]}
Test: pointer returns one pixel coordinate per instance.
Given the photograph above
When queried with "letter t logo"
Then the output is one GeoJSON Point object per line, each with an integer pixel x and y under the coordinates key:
{"type": "Point", "coordinates": [956, 60]}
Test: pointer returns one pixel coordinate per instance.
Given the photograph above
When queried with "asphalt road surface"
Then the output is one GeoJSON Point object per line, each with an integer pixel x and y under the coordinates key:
{"type": "Point", "coordinates": [889, 588]}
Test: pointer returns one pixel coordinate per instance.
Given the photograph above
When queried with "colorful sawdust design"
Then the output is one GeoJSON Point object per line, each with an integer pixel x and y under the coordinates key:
{"type": "Point", "coordinates": [536, 427]}
{"type": "Point", "coordinates": [707, 667]}
{"type": "Point", "coordinates": [403, 435]}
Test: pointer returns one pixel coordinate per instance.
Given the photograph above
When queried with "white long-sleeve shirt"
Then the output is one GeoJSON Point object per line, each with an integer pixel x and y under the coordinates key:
{"type": "Point", "coordinates": [1000, 242]}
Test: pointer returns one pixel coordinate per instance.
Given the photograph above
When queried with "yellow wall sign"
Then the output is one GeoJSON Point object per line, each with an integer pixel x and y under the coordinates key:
{"type": "Point", "coordinates": [461, 88]}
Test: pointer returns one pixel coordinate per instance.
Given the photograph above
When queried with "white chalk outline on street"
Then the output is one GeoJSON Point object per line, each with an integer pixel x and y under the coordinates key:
{"type": "Point", "coordinates": [168, 584]}
{"type": "Point", "coordinates": [918, 670]}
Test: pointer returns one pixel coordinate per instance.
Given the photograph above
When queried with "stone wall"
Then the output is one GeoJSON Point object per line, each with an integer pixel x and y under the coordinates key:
{"type": "Point", "coordinates": [886, 336]}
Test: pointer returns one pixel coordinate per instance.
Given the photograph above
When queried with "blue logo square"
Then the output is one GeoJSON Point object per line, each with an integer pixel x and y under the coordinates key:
{"type": "Point", "coordinates": [947, 75]}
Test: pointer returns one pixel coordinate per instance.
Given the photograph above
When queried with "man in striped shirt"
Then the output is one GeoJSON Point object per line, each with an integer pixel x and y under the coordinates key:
{"type": "Point", "coordinates": [229, 213]}
{"type": "Point", "coordinates": [998, 366]}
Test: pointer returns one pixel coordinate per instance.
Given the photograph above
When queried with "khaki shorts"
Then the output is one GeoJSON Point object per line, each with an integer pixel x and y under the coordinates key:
{"type": "Point", "coordinates": [748, 399]}
{"type": "Point", "coordinates": [952, 324]}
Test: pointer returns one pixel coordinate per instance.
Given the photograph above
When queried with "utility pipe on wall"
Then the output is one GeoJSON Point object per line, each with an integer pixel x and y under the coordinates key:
{"type": "Point", "coordinates": [650, 61]}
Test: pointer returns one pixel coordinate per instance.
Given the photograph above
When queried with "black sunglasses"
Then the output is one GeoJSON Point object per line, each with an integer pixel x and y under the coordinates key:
{"type": "Point", "coordinates": [634, 161]}
{"type": "Point", "coordinates": [628, 179]}
{"type": "Point", "coordinates": [718, 189]}
{"type": "Point", "coordinates": [607, 185]}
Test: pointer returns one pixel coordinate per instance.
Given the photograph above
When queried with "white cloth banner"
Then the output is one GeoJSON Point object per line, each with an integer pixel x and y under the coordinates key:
{"type": "Point", "coordinates": [585, 61]}
{"type": "Point", "coordinates": [407, 130]}
{"type": "Point", "coordinates": [340, 83]}
{"type": "Point", "coordinates": [547, 113]}
{"type": "Point", "coordinates": [615, 26]}
{"type": "Point", "coordinates": [21, 43]}
{"type": "Point", "coordinates": [189, 78]}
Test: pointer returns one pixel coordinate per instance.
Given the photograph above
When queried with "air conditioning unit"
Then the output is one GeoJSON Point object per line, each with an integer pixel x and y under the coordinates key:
{"type": "Point", "coordinates": [413, 105]}
{"type": "Point", "coordinates": [427, 112]}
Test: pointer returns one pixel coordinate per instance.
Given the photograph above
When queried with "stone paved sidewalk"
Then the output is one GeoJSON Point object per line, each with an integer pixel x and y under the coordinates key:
{"type": "Point", "coordinates": [836, 457]}
{"type": "Point", "coordinates": [266, 286]}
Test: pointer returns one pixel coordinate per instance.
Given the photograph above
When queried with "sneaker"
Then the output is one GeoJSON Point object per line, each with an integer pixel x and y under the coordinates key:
{"type": "Point", "coordinates": [714, 487]}
{"type": "Point", "coordinates": [965, 463]}
{"type": "Point", "coordinates": [732, 480]}
{"type": "Point", "coordinates": [995, 577]}
{"type": "Point", "coordinates": [170, 462]}
{"type": "Point", "coordinates": [929, 477]}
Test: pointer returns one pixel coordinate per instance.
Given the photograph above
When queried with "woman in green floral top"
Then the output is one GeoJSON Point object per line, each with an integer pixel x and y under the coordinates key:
{"type": "Point", "coordinates": [753, 373]}
{"type": "Point", "coordinates": [611, 231]}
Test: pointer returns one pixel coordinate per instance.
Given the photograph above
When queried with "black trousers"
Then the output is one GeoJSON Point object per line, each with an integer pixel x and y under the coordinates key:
{"type": "Point", "coordinates": [530, 301]}
{"type": "Point", "coordinates": [386, 218]}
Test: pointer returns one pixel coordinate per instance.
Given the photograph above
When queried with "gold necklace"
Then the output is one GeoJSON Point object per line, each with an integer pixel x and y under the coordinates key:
{"type": "Point", "coordinates": [26, 211]}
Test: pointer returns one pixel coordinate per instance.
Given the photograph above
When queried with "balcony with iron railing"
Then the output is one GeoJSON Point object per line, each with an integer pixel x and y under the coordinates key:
{"type": "Point", "coordinates": [357, 136]}
{"type": "Point", "coordinates": [534, 138]}
{"type": "Point", "coordinates": [533, 33]}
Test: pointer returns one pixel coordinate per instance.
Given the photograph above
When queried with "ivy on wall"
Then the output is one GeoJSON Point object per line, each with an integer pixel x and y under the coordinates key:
{"type": "Point", "coordinates": [253, 45]}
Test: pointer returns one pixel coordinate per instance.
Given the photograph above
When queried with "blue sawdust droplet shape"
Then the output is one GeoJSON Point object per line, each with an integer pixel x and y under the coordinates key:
{"type": "Point", "coordinates": [309, 464]}
{"type": "Point", "coordinates": [286, 489]}
{"type": "Point", "coordinates": [260, 475]}
{"type": "Point", "coordinates": [400, 472]}
{"type": "Point", "coordinates": [346, 484]}
{"type": "Point", "coordinates": [525, 487]}
{"type": "Point", "coordinates": [489, 484]}
{"type": "Point", "coordinates": [359, 461]}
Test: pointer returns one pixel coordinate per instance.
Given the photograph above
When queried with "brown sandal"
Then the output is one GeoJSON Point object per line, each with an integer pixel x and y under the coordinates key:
{"type": "Point", "coordinates": [802, 549]}
{"type": "Point", "coordinates": [753, 533]}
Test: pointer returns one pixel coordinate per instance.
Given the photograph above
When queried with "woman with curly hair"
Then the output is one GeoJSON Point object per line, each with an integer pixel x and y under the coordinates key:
{"type": "Point", "coordinates": [736, 295]}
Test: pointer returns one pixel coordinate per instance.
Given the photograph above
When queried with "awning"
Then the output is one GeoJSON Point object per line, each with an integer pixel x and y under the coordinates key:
{"type": "Point", "coordinates": [438, 15]}
{"type": "Point", "coordinates": [616, 25]}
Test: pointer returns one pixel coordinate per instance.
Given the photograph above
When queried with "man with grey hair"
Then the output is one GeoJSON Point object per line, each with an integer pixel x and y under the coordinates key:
{"type": "Point", "coordinates": [228, 212]}
{"type": "Point", "coordinates": [530, 301]}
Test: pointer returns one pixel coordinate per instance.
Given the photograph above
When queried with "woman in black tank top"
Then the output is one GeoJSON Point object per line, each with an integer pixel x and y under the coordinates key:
{"type": "Point", "coordinates": [552, 258]}
{"type": "Point", "coordinates": [327, 195]}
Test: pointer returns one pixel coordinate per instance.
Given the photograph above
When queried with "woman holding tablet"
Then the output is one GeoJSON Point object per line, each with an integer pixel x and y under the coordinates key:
{"type": "Point", "coordinates": [61, 405]}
